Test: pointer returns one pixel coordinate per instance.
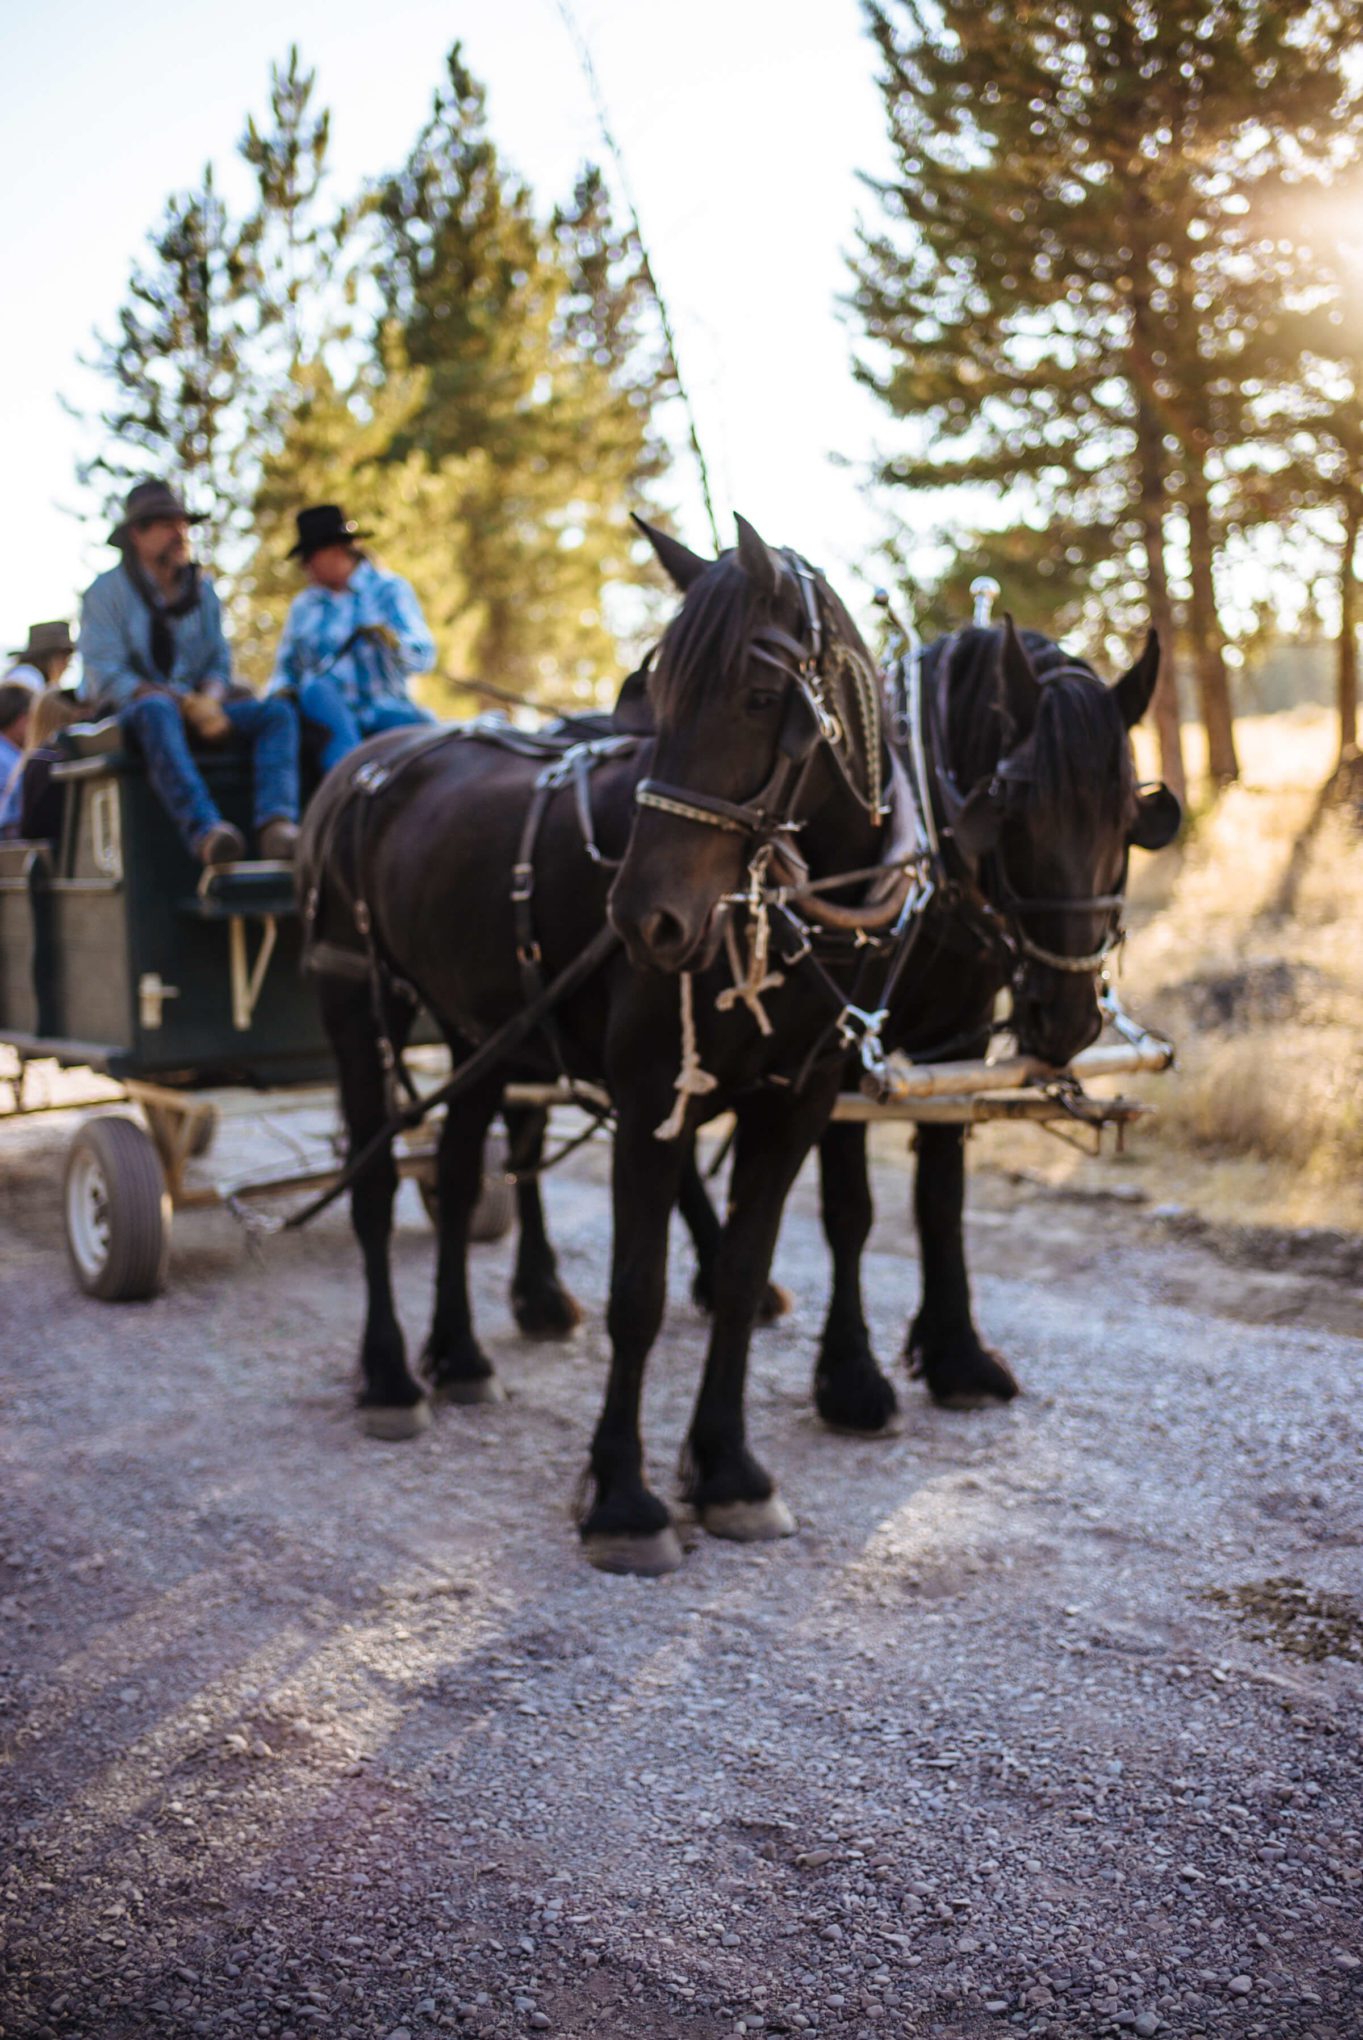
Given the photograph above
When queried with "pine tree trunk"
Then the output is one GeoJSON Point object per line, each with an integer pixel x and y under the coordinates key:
{"type": "Point", "coordinates": [1213, 686]}
{"type": "Point", "coordinates": [1151, 456]}
{"type": "Point", "coordinates": [1346, 684]}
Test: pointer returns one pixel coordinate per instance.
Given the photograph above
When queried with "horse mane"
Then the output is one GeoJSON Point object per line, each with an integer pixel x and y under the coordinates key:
{"type": "Point", "coordinates": [1081, 760]}
{"type": "Point", "coordinates": [705, 641]}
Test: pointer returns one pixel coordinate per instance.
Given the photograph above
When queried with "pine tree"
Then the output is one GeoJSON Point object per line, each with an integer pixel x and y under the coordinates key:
{"type": "Point", "coordinates": [291, 244]}
{"type": "Point", "coordinates": [1303, 382]}
{"type": "Point", "coordinates": [177, 366]}
{"type": "Point", "coordinates": [1043, 296]}
{"type": "Point", "coordinates": [529, 340]}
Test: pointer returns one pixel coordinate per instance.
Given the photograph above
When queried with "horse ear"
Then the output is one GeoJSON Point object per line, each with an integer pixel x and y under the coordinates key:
{"type": "Point", "coordinates": [1136, 687]}
{"type": "Point", "coordinates": [1020, 690]}
{"type": "Point", "coordinates": [756, 558]}
{"type": "Point", "coordinates": [678, 562]}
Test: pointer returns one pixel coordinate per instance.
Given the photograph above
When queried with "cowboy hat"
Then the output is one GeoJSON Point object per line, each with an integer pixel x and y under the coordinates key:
{"type": "Point", "coordinates": [322, 525]}
{"type": "Point", "coordinates": [146, 503]}
{"type": "Point", "coordinates": [44, 639]}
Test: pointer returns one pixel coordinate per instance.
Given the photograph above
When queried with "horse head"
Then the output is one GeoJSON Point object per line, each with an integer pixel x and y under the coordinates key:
{"type": "Point", "coordinates": [1049, 825]}
{"type": "Point", "coordinates": [749, 689]}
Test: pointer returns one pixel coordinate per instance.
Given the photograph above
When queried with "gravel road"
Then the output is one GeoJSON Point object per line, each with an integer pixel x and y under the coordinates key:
{"type": "Point", "coordinates": [1046, 1722]}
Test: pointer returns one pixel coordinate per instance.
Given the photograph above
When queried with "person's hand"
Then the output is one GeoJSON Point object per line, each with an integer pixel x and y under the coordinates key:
{"type": "Point", "coordinates": [204, 717]}
{"type": "Point", "coordinates": [380, 634]}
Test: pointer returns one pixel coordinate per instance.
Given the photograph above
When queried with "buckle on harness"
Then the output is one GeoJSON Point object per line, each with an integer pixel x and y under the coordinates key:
{"type": "Point", "coordinates": [522, 883]}
{"type": "Point", "coordinates": [861, 1030]}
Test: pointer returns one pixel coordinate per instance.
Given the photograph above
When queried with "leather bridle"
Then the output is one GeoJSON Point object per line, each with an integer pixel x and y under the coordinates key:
{"type": "Point", "coordinates": [810, 721]}
{"type": "Point", "coordinates": [1005, 919]}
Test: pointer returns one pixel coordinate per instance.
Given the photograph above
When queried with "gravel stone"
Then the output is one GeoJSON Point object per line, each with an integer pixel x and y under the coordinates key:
{"type": "Point", "coordinates": [301, 1734]}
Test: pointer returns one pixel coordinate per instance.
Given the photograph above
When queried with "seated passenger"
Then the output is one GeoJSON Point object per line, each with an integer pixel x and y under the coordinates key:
{"type": "Point", "coordinates": [154, 654]}
{"type": "Point", "coordinates": [16, 705]}
{"type": "Point", "coordinates": [46, 656]}
{"type": "Point", "coordinates": [30, 805]}
{"type": "Point", "coordinates": [352, 640]}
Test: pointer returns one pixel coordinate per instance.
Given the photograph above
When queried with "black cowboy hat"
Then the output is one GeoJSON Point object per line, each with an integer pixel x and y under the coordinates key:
{"type": "Point", "coordinates": [322, 525]}
{"type": "Point", "coordinates": [44, 639]}
{"type": "Point", "coordinates": [148, 501]}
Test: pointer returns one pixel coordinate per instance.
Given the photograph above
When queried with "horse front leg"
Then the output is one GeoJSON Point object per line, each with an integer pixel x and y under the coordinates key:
{"type": "Point", "coordinates": [702, 1222]}
{"type": "Point", "coordinates": [850, 1391]}
{"type": "Point", "coordinates": [732, 1492]}
{"type": "Point", "coordinates": [943, 1345]}
{"type": "Point", "coordinates": [391, 1402]}
{"type": "Point", "coordinates": [453, 1362]}
{"type": "Point", "coordinates": [541, 1306]}
{"type": "Point", "coordinates": [626, 1528]}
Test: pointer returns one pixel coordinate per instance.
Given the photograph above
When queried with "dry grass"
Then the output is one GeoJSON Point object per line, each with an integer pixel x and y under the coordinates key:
{"type": "Point", "coordinates": [1247, 949]}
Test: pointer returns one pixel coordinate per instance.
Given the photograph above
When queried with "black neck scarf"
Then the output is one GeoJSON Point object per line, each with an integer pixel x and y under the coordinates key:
{"type": "Point", "coordinates": [180, 604]}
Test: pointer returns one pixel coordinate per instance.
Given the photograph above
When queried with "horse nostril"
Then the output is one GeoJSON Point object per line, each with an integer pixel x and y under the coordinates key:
{"type": "Point", "coordinates": [662, 932]}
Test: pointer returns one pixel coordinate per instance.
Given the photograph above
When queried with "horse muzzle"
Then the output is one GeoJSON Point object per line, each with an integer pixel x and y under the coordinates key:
{"type": "Point", "coordinates": [661, 938]}
{"type": "Point", "coordinates": [1054, 1023]}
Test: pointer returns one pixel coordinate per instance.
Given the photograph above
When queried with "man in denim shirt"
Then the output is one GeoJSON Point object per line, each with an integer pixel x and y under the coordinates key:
{"type": "Point", "coordinates": [154, 654]}
{"type": "Point", "coordinates": [352, 639]}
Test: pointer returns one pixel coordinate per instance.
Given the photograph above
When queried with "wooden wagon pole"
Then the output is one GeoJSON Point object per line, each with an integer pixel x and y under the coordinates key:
{"type": "Point", "coordinates": [960, 1079]}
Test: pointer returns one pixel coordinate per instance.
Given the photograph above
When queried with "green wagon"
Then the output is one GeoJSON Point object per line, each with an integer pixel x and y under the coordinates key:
{"type": "Point", "coordinates": [183, 987]}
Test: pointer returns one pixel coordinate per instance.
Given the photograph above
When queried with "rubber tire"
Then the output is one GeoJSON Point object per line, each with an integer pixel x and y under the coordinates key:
{"type": "Point", "coordinates": [495, 1212]}
{"type": "Point", "coordinates": [136, 1210]}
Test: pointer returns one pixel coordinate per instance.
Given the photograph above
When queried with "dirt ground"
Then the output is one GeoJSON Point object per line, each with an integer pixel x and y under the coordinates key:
{"type": "Point", "coordinates": [1046, 1721]}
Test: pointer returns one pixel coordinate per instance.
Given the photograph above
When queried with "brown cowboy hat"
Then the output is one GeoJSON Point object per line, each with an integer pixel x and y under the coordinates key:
{"type": "Point", "coordinates": [44, 639]}
{"type": "Point", "coordinates": [148, 501]}
{"type": "Point", "coordinates": [322, 525]}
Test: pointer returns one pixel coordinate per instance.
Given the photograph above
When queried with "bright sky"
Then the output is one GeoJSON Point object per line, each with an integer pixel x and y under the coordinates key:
{"type": "Point", "coordinates": [743, 124]}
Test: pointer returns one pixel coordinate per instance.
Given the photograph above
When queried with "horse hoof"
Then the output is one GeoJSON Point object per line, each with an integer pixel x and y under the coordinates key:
{"type": "Point", "coordinates": [777, 1302]}
{"type": "Point", "coordinates": [394, 1421]}
{"type": "Point", "coordinates": [554, 1315]}
{"type": "Point", "coordinates": [749, 1522]}
{"type": "Point", "coordinates": [473, 1388]}
{"type": "Point", "coordinates": [892, 1427]}
{"type": "Point", "coordinates": [647, 1557]}
{"type": "Point", "coordinates": [971, 1377]}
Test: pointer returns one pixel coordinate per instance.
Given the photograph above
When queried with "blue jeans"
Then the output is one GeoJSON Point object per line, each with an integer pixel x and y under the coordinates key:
{"type": "Point", "coordinates": [322, 702]}
{"type": "Point", "coordinates": [270, 727]}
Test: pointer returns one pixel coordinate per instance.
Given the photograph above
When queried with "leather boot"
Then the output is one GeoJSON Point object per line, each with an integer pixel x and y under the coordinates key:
{"type": "Point", "coordinates": [279, 841]}
{"type": "Point", "coordinates": [222, 844]}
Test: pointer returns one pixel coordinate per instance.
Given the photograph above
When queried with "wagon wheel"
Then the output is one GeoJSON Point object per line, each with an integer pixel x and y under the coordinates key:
{"type": "Point", "coordinates": [117, 1211]}
{"type": "Point", "coordinates": [495, 1212]}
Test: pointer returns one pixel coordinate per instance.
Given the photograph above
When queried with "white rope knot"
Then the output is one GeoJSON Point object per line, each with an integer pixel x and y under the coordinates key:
{"type": "Point", "coordinates": [692, 1080]}
{"type": "Point", "coordinates": [748, 986]}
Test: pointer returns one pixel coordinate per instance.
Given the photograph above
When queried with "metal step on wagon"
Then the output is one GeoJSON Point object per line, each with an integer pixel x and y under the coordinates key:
{"type": "Point", "coordinates": [180, 987]}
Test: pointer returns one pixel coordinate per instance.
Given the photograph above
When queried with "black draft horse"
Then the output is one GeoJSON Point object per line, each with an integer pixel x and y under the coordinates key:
{"type": "Point", "coordinates": [1035, 873]}
{"type": "Point", "coordinates": [408, 854]}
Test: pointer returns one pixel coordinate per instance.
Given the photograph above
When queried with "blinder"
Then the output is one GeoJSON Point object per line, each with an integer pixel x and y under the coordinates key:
{"type": "Point", "coordinates": [800, 725]}
{"type": "Point", "coordinates": [1159, 816]}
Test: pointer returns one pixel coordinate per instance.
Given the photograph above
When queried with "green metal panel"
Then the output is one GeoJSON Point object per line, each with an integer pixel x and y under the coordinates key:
{"type": "Point", "coordinates": [141, 962]}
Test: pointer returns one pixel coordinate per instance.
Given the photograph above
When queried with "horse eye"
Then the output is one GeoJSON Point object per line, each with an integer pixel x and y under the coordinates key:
{"type": "Point", "coordinates": [761, 699]}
